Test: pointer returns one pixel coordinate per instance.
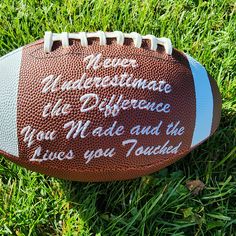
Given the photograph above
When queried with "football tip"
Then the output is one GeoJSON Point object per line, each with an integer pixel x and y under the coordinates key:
{"type": "Point", "coordinates": [9, 78]}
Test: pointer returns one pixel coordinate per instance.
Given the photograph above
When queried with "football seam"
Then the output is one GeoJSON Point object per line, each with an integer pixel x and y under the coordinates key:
{"type": "Point", "coordinates": [175, 62]}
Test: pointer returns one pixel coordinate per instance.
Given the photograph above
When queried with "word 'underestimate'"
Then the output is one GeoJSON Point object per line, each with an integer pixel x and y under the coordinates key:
{"type": "Point", "coordinates": [54, 83]}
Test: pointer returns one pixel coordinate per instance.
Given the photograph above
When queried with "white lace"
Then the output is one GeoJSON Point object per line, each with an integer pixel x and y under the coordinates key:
{"type": "Point", "coordinates": [64, 37]}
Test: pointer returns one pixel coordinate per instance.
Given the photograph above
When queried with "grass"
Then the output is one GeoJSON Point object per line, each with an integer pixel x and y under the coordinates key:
{"type": "Point", "coordinates": [159, 204]}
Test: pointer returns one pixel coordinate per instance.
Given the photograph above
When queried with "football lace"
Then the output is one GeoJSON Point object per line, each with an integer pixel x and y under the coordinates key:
{"type": "Point", "coordinates": [64, 37]}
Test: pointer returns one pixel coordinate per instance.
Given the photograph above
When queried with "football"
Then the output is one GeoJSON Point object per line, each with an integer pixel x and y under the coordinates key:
{"type": "Point", "coordinates": [103, 106]}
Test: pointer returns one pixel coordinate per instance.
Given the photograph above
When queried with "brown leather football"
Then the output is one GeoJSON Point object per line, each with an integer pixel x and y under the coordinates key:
{"type": "Point", "coordinates": [103, 106]}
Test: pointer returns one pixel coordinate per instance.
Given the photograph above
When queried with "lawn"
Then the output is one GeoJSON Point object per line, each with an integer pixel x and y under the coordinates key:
{"type": "Point", "coordinates": [159, 204]}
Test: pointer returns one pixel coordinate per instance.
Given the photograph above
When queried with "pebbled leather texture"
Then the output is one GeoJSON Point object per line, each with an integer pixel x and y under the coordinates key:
{"type": "Point", "coordinates": [67, 64]}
